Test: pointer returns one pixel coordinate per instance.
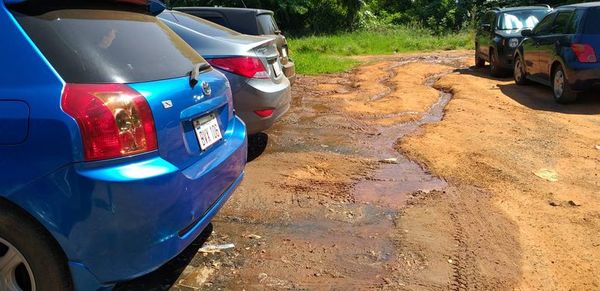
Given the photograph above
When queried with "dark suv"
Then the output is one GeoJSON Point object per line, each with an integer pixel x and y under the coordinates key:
{"type": "Point", "coordinates": [499, 34]}
{"type": "Point", "coordinates": [248, 21]}
{"type": "Point", "coordinates": [562, 51]}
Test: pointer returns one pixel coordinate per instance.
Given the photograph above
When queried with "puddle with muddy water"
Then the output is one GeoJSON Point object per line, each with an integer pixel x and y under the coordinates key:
{"type": "Point", "coordinates": [399, 177]}
{"type": "Point", "coordinates": [314, 126]}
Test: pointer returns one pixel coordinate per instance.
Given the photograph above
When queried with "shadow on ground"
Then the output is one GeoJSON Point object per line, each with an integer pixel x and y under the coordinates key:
{"type": "Point", "coordinates": [166, 276]}
{"type": "Point", "coordinates": [257, 144]}
{"type": "Point", "coordinates": [539, 97]}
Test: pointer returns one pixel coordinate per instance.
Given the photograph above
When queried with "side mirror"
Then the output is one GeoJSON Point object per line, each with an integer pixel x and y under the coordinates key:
{"type": "Point", "coordinates": [486, 27]}
{"type": "Point", "coordinates": [527, 32]}
{"type": "Point", "coordinates": [278, 32]}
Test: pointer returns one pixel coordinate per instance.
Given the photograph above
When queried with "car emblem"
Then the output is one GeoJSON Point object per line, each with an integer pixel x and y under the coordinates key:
{"type": "Point", "coordinates": [167, 104]}
{"type": "Point", "coordinates": [206, 88]}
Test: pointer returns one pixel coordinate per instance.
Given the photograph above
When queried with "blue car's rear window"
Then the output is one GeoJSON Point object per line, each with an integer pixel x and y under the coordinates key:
{"type": "Point", "coordinates": [106, 45]}
{"type": "Point", "coordinates": [592, 21]}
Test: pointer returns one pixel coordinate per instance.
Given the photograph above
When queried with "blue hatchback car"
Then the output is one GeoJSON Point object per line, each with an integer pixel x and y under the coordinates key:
{"type": "Point", "coordinates": [562, 51]}
{"type": "Point", "coordinates": [118, 143]}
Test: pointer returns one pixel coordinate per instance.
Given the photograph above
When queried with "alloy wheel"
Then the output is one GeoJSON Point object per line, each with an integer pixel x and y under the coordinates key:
{"type": "Point", "coordinates": [15, 272]}
{"type": "Point", "coordinates": [559, 83]}
{"type": "Point", "coordinates": [519, 70]}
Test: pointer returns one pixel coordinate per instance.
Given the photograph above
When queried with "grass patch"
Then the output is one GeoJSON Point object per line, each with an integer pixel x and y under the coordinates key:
{"type": "Point", "coordinates": [326, 54]}
{"type": "Point", "coordinates": [315, 64]}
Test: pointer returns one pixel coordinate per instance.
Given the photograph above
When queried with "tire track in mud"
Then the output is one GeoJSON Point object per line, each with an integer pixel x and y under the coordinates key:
{"type": "Point", "coordinates": [462, 266]}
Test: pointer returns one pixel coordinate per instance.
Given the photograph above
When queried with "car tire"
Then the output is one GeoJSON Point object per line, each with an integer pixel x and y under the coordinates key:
{"type": "Point", "coordinates": [495, 69]}
{"type": "Point", "coordinates": [519, 72]}
{"type": "Point", "coordinates": [28, 258]}
{"type": "Point", "coordinates": [479, 61]}
{"type": "Point", "coordinates": [562, 92]}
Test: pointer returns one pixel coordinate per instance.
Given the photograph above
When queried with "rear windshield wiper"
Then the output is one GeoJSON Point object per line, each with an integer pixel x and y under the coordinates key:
{"type": "Point", "coordinates": [195, 73]}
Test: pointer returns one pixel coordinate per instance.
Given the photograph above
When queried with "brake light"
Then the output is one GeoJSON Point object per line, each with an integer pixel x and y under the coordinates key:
{"type": "Point", "coordinates": [244, 66]}
{"type": "Point", "coordinates": [264, 113]}
{"type": "Point", "coordinates": [585, 53]}
{"type": "Point", "coordinates": [114, 120]}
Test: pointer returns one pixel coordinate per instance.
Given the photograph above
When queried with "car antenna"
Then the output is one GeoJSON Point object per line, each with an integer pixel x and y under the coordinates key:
{"type": "Point", "coordinates": [244, 4]}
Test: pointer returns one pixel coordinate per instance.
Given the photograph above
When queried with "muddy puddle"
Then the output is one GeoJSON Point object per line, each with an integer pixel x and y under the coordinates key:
{"type": "Point", "coordinates": [317, 127]}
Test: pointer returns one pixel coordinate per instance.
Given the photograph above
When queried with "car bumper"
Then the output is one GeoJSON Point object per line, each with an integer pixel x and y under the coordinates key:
{"type": "Point", "coordinates": [250, 95]}
{"type": "Point", "coordinates": [117, 221]}
{"type": "Point", "coordinates": [584, 76]}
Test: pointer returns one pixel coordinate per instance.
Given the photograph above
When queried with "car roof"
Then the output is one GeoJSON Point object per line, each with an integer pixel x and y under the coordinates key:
{"type": "Point", "coordinates": [154, 7]}
{"type": "Point", "coordinates": [519, 8]}
{"type": "Point", "coordinates": [228, 9]}
{"type": "Point", "coordinates": [582, 5]}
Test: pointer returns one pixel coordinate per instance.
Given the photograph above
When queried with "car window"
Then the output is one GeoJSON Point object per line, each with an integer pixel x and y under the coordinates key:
{"type": "Point", "coordinates": [592, 21]}
{"type": "Point", "coordinates": [106, 46]}
{"type": "Point", "coordinates": [564, 23]}
{"type": "Point", "coordinates": [545, 25]}
{"type": "Point", "coordinates": [267, 24]}
{"type": "Point", "coordinates": [200, 25]}
{"type": "Point", "coordinates": [525, 19]}
{"type": "Point", "coordinates": [216, 19]}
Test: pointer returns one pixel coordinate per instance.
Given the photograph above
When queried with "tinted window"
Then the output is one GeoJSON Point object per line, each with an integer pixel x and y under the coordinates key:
{"type": "Point", "coordinates": [267, 24]}
{"type": "Point", "coordinates": [564, 23]}
{"type": "Point", "coordinates": [545, 25]}
{"type": "Point", "coordinates": [520, 19]}
{"type": "Point", "coordinates": [107, 46]}
{"type": "Point", "coordinates": [216, 19]}
{"type": "Point", "coordinates": [200, 25]}
{"type": "Point", "coordinates": [592, 21]}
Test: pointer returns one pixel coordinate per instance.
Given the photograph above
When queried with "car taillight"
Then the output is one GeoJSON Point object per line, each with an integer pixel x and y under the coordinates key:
{"type": "Point", "coordinates": [264, 113]}
{"type": "Point", "coordinates": [114, 120]}
{"type": "Point", "coordinates": [244, 66]}
{"type": "Point", "coordinates": [585, 53]}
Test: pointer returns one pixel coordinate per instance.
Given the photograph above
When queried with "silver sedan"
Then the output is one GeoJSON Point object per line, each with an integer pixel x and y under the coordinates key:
{"type": "Point", "coordinates": [261, 92]}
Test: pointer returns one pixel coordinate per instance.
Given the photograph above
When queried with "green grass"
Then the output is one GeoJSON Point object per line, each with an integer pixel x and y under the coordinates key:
{"type": "Point", "coordinates": [315, 63]}
{"type": "Point", "coordinates": [328, 54]}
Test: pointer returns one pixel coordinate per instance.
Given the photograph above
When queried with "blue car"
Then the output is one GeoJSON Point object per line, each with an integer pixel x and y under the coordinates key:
{"type": "Point", "coordinates": [118, 143]}
{"type": "Point", "coordinates": [562, 52]}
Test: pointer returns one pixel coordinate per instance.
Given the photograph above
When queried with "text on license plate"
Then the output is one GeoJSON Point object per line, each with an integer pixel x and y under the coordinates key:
{"type": "Point", "coordinates": [207, 131]}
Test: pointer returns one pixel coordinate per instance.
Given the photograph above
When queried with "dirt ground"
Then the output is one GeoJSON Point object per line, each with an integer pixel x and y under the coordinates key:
{"type": "Point", "coordinates": [411, 172]}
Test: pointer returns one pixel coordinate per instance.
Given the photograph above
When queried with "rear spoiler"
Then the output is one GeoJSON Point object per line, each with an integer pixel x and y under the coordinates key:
{"type": "Point", "coordinates": [154, 7]}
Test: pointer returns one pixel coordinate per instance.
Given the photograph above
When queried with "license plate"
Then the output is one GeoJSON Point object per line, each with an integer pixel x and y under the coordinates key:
{"type": "Point", "coordinates": [277, 69]}
{"type": "Point", "coordinates": [207, 131]}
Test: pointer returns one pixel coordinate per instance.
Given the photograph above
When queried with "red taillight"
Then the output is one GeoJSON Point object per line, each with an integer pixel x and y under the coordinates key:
{"type": "Point", "coordinates": [244, 66]}
{"type": "Point", "coordinates": [585, 53]}
{"type": "Point", "coordinates": [264, 113]}
{"type": "Point", "coordinates": [114, 120]}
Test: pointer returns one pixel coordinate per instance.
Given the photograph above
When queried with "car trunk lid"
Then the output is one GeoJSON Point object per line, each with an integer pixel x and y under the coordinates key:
{"type": "Point", "coordinates": [178, 107]}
